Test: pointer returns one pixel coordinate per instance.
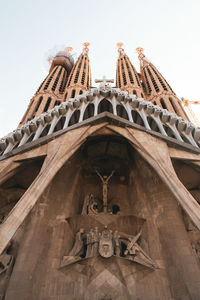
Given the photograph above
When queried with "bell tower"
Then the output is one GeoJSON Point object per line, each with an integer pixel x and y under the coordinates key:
{"type": "Point", "coordinates": [80, 78]}
{"type": "Point", "coordinates": [52, 89]}
{"type": "Point", "coordinates": [127, 78]}
{"type": "Point", "coordinates": [156, 88]}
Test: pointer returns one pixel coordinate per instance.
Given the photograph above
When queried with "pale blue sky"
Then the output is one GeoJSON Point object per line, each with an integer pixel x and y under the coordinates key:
{"type": "Point", "coordinates": [167, 30]}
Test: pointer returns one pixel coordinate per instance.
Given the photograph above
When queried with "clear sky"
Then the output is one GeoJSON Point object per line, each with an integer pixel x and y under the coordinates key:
{"type": "Point", "coordinates": [29, 30]}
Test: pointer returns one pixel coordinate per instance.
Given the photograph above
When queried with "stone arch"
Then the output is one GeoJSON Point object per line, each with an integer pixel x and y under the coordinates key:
{"type": "Point", "coordinates": [60, 124]}
{"type": "Point", "coordinates": [105, 105]}
{"type": "Point", "coordinates": [169, 131]}
{"type": "Point", "coordinates": [89, 111]}
{"type": "Point", "coordinates": [45, 130]}
{"type": "Point", "coordinates": [153, 124]}
{"type": "Point", "coordinates": [31, 137]}
{"type": "Point", "coordinates": [74, 118]}
{"type": "Point", "coordinates": [121, 112]}
{"type": "Point", "coordinates": [137, 118]}
{"type": "Point", "coordinates": [185, 139]}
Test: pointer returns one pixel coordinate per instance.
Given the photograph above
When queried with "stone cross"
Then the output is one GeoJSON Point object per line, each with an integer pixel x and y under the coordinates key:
{"type": "Point", "coordinates": [104, 82]}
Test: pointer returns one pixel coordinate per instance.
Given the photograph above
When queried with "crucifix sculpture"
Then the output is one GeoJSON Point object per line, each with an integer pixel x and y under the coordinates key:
{"type": "Point", "coordinates": [104, 82]}
{"type": "Point", "coordinates": [105, 180]}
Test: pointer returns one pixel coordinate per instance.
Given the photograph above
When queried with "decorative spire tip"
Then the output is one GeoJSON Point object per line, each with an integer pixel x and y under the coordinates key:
{"type": "Point", "coordinates": [120, 49]}
{"type": "Point", "coordinates": [86, 49]}
{"type": "Point", "coordinates": [69, 48]}
{"type": "Point", "coordinates": [140, 52]}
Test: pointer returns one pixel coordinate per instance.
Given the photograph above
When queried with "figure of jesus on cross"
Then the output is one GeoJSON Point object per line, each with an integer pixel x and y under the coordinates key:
{"type": "Point", "coordinates": [105, 180]}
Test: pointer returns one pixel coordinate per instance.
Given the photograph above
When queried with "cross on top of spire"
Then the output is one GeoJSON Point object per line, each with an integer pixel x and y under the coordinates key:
{"type": "Point", "coordinates": [86, 49]}
{"type": "Point", "coordinates": [120, 49]}
{"type": "Point", "coordinates": [69, 48]}
{"type": "Point", "coordinates": [140, 52]}
{"type": "Point", "coordinates": [104, 83]}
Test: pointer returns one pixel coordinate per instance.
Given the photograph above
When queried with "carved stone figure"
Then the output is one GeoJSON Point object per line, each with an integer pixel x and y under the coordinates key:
{"type": "Point", "coordinates": [106, 248]}
{"type": "Point", "coordinates": [136, 253]}
{"type": "Point", "coordinates": [117, 244]}
{"type": "Point", "coordinates": [131, 246]}
{"type": "Point", "coordinates": [6, 266]}
{"type": "Point", "coordinates": [85, 205]}
{"type": "Point", "coordinates": [89, 241]}
{"type": "Point", "coordinates": [105, 180]}
{"type": "Point", "coordinates": [107, 244]}
{"type": "Point", "coordinates": [90, 206]}
{"type": "Point", "coordinates": [95, 242]}
{"type": "Point", "coordinates": [77, 249]}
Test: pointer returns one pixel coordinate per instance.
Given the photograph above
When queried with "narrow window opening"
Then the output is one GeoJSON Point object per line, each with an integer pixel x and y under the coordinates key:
{"type": "Point", "coordinates": [73, 93]}
{"type": "Point", "coordinates": [47, 105]}
{"type": "Point", "coordinates": [163, 104]}
{"type": "Point", "coordinates": [57, 102]}
{"type": "Point", "coordinates": [37, 106]}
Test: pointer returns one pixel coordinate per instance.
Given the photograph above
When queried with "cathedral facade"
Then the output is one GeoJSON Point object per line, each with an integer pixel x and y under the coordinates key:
{"type": "Point", "coordinates": [100, 189]}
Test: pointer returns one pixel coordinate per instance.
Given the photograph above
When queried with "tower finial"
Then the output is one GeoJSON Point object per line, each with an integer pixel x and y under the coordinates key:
{"type": "Point", "coordinates": [69, 48]}
{"type": "Point", "coordinates": [140, 52]}
{"type": "Point", "coordinates": [86, 49]}
{"type": "Point", "coordinates": [120, 49]}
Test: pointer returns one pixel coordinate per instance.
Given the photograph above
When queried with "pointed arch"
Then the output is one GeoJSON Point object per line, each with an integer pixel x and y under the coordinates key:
{"type": "Point", "coordinates": [74, 118]}
{"type": "Point", "coordinates": [169, 131]}
{"type": "Point", "coordinates": [45, 130]}
{"type": "Point", "coordinates": [185, 139]}
{"type": "Point", "coordinates": [137, 119]}
{"type": "Point", "coordinates": [30, 138]}
{"type": "Point", "coordinates": [60, 124]}
{"type": "Point", "coordinates": [121, 112]}
{"type": "Point", "coordinates": [89, 111]}
{"type": "Point", "coordinates": [153, 125]}
{"type": "Point", "coordinates": [105, 105]}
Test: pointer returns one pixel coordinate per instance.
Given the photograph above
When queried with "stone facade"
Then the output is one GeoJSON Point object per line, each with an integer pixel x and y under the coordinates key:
{"type": "Point", "coordinates": [100, 198]}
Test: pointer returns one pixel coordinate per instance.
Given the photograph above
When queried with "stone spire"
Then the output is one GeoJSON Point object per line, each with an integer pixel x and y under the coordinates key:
{"type": "Point", "coordinates": [80, 77]}
{"type": "Point", "coordinates": [127, 78]}
{"type": "Point", "coordinates": [157, 89]}
{"type": "Point", "coordinates": [51, 91]}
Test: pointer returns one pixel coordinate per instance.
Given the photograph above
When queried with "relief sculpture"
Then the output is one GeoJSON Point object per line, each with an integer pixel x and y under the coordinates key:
{"type": "Point", "coordinates": [106, 244]}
